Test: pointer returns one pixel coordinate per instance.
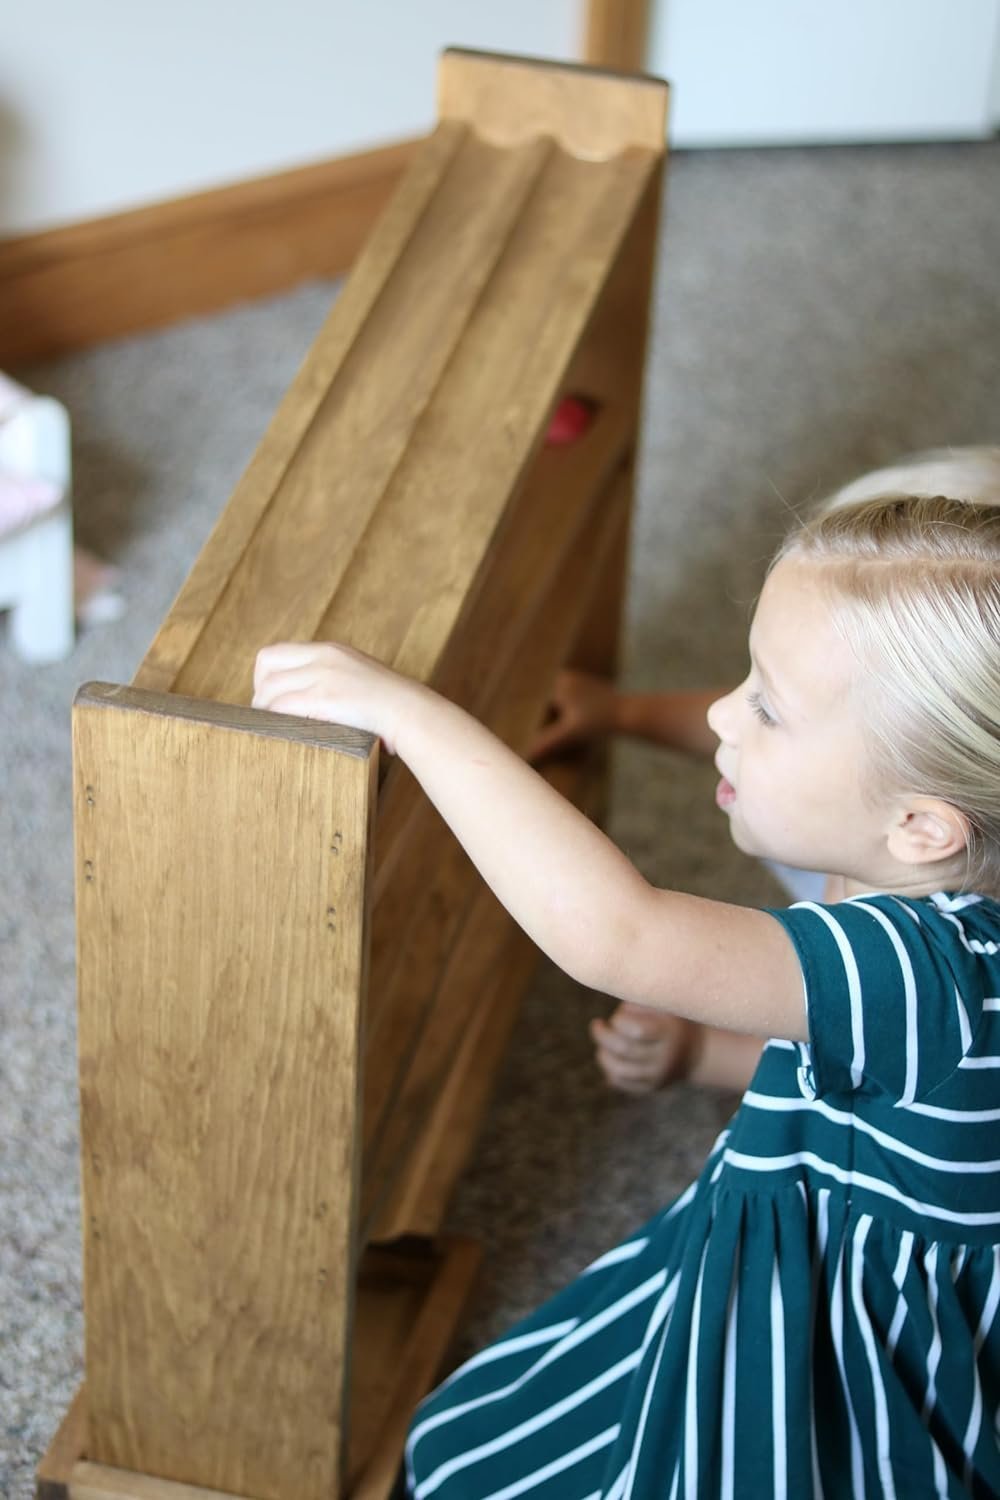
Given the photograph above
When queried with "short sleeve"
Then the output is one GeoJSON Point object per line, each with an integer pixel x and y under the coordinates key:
{"type": "Point", "coordinates": [894, 992]}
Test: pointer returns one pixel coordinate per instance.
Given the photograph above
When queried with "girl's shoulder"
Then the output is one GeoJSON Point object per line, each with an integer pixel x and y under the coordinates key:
{"type": "Point", "coordinates": [896, 986]}
{"type": "Point", "coordinates": [968, 919]}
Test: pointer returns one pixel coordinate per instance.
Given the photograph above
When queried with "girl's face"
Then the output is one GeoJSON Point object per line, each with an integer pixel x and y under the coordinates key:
{"type": "Point", "coordinates": [792, 754]}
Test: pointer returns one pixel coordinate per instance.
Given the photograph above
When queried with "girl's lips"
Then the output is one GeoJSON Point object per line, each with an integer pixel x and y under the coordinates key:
{"type": "Point", "coordinates": [725, 793]}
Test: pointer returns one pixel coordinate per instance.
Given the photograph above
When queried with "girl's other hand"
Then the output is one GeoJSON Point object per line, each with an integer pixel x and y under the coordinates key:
{"type": "Point", "coordinates": [319, 680]}
{"type": "Point", "coordinates": [639, 1050]}
{"type": "Point", "coordinates": [583, 708]}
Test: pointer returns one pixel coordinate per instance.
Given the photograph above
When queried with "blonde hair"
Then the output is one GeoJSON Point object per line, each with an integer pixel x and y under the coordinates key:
{"type": "Point", "coordinates": [912, 553]}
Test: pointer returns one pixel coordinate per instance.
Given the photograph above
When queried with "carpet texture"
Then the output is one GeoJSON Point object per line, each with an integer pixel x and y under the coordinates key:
{"type": "Point", "coordinates": [818, 313]}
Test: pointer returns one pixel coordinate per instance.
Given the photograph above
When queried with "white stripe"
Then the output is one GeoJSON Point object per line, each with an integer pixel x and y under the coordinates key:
{"type": "Point", "coordinates": [853, 987]}
{"type": "Point", "coordinates": [964, 1027]}
{"type": "Point", "coordinates": [856, 1179]}
{"type": "Point", "coordinates": [971, 945]}
{"type": "Point", "coordinates": [640, 1430]}
{"type": "Point", "coordinates": [934, 1357]}
{"type": "Point", "coordinates": [868, 1337]}
{"type": "Point", "coordinates": [990, 1306]}
{"type": "Point", "coordinates": [980, 1062]}
{"type": "Point", "coordinates": [729, 1385]}
{"type": "Point", "coordinates": [910, 998]}
{"type": "Point", "coordinates": [837, 1333]}
{"type": "Point", "coordinates": [579, 1334]}
{"type": "Point", "coordinates": [913, 915]}
{"type": "Point", "coordinates": [504, 1347]}
{"type": "Point", "coordinates": [534, 1424]}
{"type": "Point", "coordinates": [691, 1485]}
{"type": "Point", "coordinates": [779, 1415]}
{"type": "Point", "coordinates": [933, 1360]}
{"type": "Point", "coordinates": [955, 903]}
{"type": "Point", "coordinates": [818, 1257]}
{"type": "Point", "coordinates": [844, 1117]}
{"type": "Point", "coordinates": [991, 1002]}
{"type": "Point", "coordinates": [958, 1116]}
{"type": "Point", "coordinates": [986, 1321]}
{"type": "Point", "coordinates": [899, 1276]}
{"type": "Point", "coordinates": [628, 1251]}
{"type": "Point", "coordinates": [556, 1466]}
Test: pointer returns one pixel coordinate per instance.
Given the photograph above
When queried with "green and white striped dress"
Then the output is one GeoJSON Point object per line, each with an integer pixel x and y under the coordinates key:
{"type": "Point", "coordinates": [817, 1314]}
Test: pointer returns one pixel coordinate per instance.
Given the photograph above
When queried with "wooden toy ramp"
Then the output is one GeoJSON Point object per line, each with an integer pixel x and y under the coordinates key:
{"type": "Point", "coordinates": [294, 990]}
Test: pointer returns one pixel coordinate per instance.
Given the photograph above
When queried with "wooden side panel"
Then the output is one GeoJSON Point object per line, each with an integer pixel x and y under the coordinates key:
{"type": "Point", "coordinates": [425, 1037]}
{"type": "Point", "coordinates": [222, 911]}
{"type": "Point", "coordinates": [420, 1198]}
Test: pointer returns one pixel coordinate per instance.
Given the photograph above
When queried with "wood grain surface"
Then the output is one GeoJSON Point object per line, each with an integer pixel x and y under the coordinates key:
{"type": "Point", "coordinates": [222, 895]}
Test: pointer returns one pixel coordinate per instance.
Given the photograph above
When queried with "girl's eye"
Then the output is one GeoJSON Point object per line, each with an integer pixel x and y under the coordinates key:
{"type": "Point", "coordinates": [761, 712]}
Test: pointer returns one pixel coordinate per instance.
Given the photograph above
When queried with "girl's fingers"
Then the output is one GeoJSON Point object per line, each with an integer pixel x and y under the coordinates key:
{"type": "Point", "coordinates": [641, 1020]}
{"type": "Point", "coordinates": [281, 655]}
{"type": "Point", "coordinates": [629, 1083]}
{"type": "Point", "coordinates": [548, 739]}
{"type": "Point", "coordinates": [628, 1072]}
{"type": "Point", "coordinates": [617, 1045]}
{"type": "Point", "coordinates": [298, 705]}
{"type": "Point", "coordinates": [282, 681]}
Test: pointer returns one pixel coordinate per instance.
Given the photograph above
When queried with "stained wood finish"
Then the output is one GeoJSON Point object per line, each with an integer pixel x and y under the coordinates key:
{"type": "Point", "coordinates": [617, 34]}
{"type": "Point", "coordinates": [409, 1299]}
{"type": "Point", "coordinates": [430, 1010]}
{"type": "Point", "coordinates": [425, 396]}
{"type": "Point", "coordinates": [222, 910]}
{"type": "Point", "coordinates": [418, 1198]}
{"type": "Point", "coordinates": [591, 113]}
{"type": "Point", "coordinates": [291, 1008]}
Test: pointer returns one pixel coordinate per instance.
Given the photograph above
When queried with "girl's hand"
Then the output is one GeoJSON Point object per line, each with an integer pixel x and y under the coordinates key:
{"type": "Point", "coordinates": [319, 680]}
{"type": "Point", "coordinates": [584, 707]}
{"type": "Point", "coordinates": [639, 1049]}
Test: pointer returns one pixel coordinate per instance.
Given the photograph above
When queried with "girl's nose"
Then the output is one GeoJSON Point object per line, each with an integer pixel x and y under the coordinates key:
{"type": "Point", "coordinates": [722, 719]}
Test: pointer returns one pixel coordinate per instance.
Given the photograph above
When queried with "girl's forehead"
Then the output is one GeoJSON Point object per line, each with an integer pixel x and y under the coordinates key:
{"type": "Point", "coordinates": [794, 638]}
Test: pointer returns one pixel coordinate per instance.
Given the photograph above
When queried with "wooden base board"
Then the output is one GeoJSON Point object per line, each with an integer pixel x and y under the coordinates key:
{"type": "Point", "coordinates": [411, 1297]}
{"type": "Point", "coordinates": [77, 286]}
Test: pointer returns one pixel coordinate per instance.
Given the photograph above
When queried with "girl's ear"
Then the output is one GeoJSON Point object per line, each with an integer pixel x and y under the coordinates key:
{"type": "Point", "coordinates": [928, 830]}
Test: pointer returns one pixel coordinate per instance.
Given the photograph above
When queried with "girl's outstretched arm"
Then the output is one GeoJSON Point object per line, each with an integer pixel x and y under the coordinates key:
{"type": "Point", "coordinates": [570, 888]}
{"type": "Point", "coordinates": [585, 708]}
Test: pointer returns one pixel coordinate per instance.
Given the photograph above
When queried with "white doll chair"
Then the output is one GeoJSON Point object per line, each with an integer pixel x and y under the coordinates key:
{"type": "Point", "coordinates": [36, 549]}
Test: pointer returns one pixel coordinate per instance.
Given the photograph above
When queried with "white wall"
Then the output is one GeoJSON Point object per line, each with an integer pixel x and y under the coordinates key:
{"type": "Point", "coordinates": [782, 72]}
{"type": "Point", "coordinates": [110, 104]}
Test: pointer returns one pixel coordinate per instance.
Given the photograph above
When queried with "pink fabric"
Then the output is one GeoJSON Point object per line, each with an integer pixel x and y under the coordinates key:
{"type": "Point", "coordinates": [21, 500]}
{"type": "Point", "coordinates": [21, 497]}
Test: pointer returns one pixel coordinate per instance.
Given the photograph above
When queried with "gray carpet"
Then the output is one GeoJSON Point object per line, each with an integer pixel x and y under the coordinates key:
{"type": "Point", "coordinates": [819, 312]}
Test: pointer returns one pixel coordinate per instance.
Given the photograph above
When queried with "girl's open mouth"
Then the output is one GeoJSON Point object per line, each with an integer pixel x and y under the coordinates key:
{"type": "Point", "coordinates": [725, 793]}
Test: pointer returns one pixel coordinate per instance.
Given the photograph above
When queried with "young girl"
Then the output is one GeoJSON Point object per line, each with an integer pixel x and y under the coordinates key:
{"type": "Point", "coordinates": [639, 1049]}
{"type": "Point", "coordinates": [817, 1314]}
